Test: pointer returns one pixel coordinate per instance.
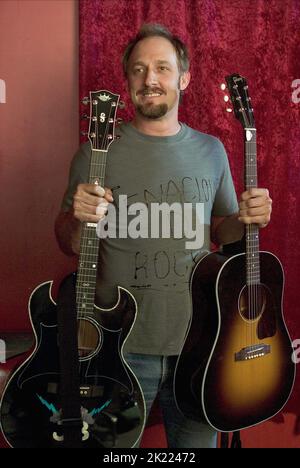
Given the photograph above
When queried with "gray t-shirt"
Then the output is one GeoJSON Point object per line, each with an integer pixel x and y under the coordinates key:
{"type": "Point", "coordinates": [189, 167]}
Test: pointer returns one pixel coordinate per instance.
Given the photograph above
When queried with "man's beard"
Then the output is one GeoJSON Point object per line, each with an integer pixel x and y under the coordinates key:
{"type": "Point", "coordinates": [152, 111]}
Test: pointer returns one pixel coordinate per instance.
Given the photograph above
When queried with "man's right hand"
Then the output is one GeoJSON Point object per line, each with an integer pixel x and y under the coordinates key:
{"type": "Point", "coordinates": [91, 202]}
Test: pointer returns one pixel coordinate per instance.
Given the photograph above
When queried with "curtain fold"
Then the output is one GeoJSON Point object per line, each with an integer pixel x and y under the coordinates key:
{"type": "Point", "coordinates": [258, 39]}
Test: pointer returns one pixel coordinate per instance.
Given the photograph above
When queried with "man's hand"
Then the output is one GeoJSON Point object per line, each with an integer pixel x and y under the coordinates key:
{"type": "Point", "coordinates": [91, 202]}
{"type": "Point", "coordinates": [255, 207]}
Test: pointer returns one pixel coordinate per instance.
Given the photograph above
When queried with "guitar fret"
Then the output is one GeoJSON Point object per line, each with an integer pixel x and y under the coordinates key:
{"type": "Point", "coordinates": [85, 292]}
{"type": "Point", "coordinates": [87, 254]}
{"type": "Point", "coordinates": [88, 267]}
{"type": "Point", "coordinates": [86, 276]}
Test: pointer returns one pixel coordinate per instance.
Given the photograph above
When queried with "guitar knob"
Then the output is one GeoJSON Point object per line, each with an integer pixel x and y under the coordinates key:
{"type": "Point", "coordinates": [85, 100]}
{"type": "Point", "coordinates": [121, 104]}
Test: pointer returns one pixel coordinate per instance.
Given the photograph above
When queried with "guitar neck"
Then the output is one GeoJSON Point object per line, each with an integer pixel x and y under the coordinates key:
{"type": "Point", "coordinates": [252, 230]}
{"type": "Point", "coordinates": [89, 244]}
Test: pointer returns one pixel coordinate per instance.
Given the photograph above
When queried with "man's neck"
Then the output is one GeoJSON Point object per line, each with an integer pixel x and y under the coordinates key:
{"type": "Point", "coordinates": [159, 127]}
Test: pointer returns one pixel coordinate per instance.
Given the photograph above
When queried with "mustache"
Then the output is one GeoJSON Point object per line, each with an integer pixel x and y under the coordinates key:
{"type": "Point", "coordinates": [150, 90]}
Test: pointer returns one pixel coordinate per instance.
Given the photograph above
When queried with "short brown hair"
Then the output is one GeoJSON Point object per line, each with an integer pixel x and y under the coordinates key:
{"type": "Point", "coordinates": [153, 30]}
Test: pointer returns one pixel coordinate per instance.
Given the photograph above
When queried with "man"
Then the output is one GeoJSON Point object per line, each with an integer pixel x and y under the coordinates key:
{"type": "Point", "coordinates": [158, 159]}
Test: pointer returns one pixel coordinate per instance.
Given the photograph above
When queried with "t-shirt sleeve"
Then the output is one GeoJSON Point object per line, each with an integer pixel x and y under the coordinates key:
{"type": "Point", "coordinates": [225, 202]}
{"type": "Point", "coordinates": [78, 174]}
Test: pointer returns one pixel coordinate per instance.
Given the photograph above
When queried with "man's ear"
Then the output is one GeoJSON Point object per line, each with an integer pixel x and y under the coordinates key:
{"type": "Point", "coordinates": [184, 80]}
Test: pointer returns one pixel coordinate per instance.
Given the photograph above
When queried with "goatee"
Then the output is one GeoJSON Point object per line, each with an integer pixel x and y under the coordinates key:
{"type": "Point", "coordinates": [152, 111]}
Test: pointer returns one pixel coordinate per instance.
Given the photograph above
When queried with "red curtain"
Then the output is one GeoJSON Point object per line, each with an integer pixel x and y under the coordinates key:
{"type": "Point", "coordinates": [259, 39]}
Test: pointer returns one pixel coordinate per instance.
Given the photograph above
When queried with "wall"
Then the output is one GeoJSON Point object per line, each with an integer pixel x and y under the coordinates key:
{"type": "Point", "coordinates": [38, 135]}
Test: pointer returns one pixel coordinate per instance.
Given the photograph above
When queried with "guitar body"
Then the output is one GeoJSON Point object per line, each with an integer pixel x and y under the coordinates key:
{"type": "Point", "coordinates": [112, 404]}
{"type": "Point", "coordinates": [237, 361]}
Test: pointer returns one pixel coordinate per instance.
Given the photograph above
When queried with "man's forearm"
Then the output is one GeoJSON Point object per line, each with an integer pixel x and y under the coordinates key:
{"type": "Point", "coordinates": [68, 230]}
{"type": "Point", "coordinates": [227, 230]}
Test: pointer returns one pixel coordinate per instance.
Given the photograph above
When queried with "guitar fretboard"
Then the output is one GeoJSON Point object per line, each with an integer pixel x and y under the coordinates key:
{"type": "Point", "coordinates": [89, 245]}
{"type": "Point", "coordinates": [252, 230]}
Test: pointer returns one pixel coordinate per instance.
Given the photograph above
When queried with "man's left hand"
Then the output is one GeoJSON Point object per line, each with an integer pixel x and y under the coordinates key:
{"type": "Point", "coordinates": [255, 207]}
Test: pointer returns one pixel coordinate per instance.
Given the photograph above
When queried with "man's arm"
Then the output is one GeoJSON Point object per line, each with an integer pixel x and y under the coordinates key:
{"type": "Point", "coordinates": [255, 208]}
{"type": "Point", "coordinates": [67, 231]}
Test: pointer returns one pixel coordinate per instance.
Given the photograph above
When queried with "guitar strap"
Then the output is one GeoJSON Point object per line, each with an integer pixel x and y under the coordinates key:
{"type": "Point", "coordinates": [69, 369]}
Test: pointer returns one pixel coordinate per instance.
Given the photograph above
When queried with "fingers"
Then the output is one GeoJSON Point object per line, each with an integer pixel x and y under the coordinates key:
{"type": "Point", "coordinates": [255, 207]}
{"type": "Point", "coordinates": [91, 202]}
{"type": "Point", "coordinates": [255, 192]}
{"type": "Point", "coordinates": [105, 193]}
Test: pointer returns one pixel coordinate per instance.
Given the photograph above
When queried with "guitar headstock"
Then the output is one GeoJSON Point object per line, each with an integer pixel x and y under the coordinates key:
{"type": "Point", "coordinates": [238, 91]}
{"type": "Point", "coordinates": [103, 110]}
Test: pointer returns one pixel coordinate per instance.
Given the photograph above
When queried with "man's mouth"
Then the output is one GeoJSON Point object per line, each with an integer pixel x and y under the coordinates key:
{"type": "Point", "coordinates": [151, 93]}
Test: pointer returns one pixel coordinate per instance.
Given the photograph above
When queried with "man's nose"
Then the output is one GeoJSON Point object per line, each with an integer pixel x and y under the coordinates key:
{"type": "Point", "coordinates": [151, 78]}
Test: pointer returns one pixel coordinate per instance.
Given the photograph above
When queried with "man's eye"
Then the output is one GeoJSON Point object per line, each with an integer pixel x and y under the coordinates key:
{"type": "Point", "coordinates": [138, 70]}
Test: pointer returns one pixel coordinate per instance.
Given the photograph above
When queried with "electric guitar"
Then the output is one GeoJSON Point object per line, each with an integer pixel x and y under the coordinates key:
{"type": "Point", "coordinates": [112, 407]}
{"type": "Point", "coordinates": [235, 369]}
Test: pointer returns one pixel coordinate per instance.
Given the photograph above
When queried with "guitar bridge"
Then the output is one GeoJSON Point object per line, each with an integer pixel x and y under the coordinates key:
{"type": "Point", "coordinates": [252, 352]}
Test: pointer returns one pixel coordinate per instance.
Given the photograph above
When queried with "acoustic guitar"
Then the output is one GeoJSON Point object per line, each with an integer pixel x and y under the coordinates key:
{"type": "Point", "coordinates": [112, 407]}
{"type": "Point", "coordinates": [236, 367]}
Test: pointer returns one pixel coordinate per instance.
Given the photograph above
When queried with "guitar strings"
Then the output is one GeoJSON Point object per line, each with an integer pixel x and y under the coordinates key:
{"type": "Point", "coordinates": [252, 262]}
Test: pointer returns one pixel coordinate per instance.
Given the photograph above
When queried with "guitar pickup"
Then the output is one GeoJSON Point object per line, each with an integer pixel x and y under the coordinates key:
{"type": "Point", "coordinates": [252, 352]}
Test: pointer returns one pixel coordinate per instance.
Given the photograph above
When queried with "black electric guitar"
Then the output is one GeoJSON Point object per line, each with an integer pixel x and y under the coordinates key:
{"type": "Point", "coordinates": [235, 367]}
{"type": "Point", "coordinates": [112, 406]}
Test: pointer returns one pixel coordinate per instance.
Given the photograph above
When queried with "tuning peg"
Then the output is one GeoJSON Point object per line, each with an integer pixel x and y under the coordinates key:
{"type": "Point", "coordinates": [85, 100]}
{"type": "Point", "coordinates": [119, 121]}
{"type": "Point", "coordinates": [85, 117]}
{"type": "Point", "coordinates": [121, 105]}
{"type": "Point", "coordinates": [83, 133]}
{"type": "Point", "coordinates": [117, 137]}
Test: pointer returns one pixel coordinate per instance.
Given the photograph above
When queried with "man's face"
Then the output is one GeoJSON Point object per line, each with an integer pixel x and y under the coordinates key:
{"type": "Point", "coordinates": [153, 78]}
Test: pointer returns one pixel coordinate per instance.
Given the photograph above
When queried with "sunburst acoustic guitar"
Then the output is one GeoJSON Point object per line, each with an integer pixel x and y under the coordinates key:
{"type": "Point", "coordinates": [236, 367]}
